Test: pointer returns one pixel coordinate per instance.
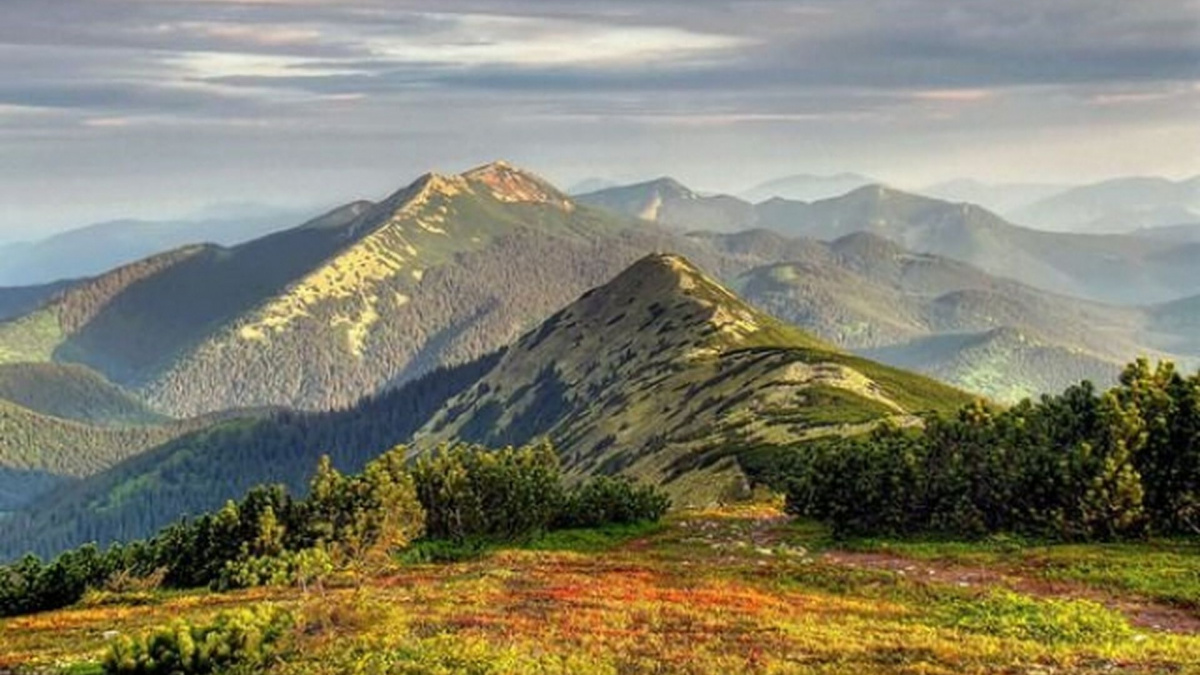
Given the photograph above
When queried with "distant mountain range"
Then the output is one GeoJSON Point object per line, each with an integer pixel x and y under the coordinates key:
{"type": "Point", "coordinates": [1116, 206]}
{"type": "Point", "coordinates": [1124, 269]}
{"type": "Point", "coordinates": [668, 202]}
{"type": "Point", "coordinates": [98, 248]}
{"type": "Point", "coordinates": [807, 187]}
{"type": "Point", "coordinates": [1002, 198]}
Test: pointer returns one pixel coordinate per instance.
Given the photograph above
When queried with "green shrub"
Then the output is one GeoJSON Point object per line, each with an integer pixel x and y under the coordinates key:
{"type": "Point", "coordinates": [1082, 465]}
{"type": "Point", "coordinates": [289, 568]}
{"type": "Point", "coordinates": [504, 494]}
{"type": "Point", "coordinates": [612, 501]}
{"type": "Point", "coordinates": [247, 637]}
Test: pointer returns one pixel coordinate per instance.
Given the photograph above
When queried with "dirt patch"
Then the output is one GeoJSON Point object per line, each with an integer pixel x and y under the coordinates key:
{"type": "Point", "coordinates": [1141, 612]}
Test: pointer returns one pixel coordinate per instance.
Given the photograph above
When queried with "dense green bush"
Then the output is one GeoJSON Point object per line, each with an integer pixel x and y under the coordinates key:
{"type": "Point", "coordinates": [1081, 465]}
{"type": "Point", "coordinates": [247, 637]}
{"type": "Point", "coordinates": [606, 500]}
{"type": "Point", "coordinates": [469, 492]}
{"type": "Point", "coordinates": [287, 568]}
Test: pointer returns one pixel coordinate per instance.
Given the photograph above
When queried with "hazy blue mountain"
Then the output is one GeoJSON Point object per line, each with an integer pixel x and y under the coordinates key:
{"type": "Point", "coordinates": [1002, 198]}
{"type": "Point", "coordinates": [591, 185]}
{"type": "Point", "coordinates": [95, 249]}
{"type": "Point", "coordinates": [807, 187]}
{"type": "Point", "coordinates": [1116, 206]}
{"type": "Point", "coordinates": [1188, 233]}
{"type": "Point", "coordinates": [668, 202]}
{"type": "Point", "coordinates": [1110, 268]}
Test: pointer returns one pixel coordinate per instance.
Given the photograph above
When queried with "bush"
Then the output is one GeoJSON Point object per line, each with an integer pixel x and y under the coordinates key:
{"type": "Point", "coordinates": [248, 637]}
{"type": "Point", "coordinates": [354, 524]}
{"type": "Point", "coordinates": [290, 568]}
{"type": "Point", "coordinates": [612, 501]}
{"type": "Point", "coordinates": [505, 494]}
{"type": "Point", "coordinates": [1083, 465]}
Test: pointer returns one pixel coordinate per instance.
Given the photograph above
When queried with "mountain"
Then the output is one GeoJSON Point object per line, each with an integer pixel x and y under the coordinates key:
{"type": "Point", "coordinates": [1118, 269]}
{"type": "Point", "coordinates": [591, 185]}
{"type": "Point", "coordinates": [663, 372]}
{"type": "Point", "coordinates": [1177, 324]}
{"type": "Point", "coordinates": [95, 249]}
{"type": "Point", "coordinates": [933, 315]}
{"type": "Point", "coordinates": [670, 203]}
{"type": "Point", "coordinates": [807, 187]}
{"type": "Point", "coordinates": [1001, 198]}
{"type": "Point", "coordinates": [1187, 233]}
{"type": "Point", "coordinates": [373, 295]}
{"type": "Point", "coordinates": [660, 373]}
{"type": "Point", "coordinates": [72, 392]}
{"type": "Point", "coordinates": [1116, 206]}
{"type": "Point", "coordinates": [368, 296]}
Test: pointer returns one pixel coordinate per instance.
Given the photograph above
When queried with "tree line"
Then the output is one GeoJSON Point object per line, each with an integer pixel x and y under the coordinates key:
{"type": "Point", "coordinates": [1082, 465]}
{"type": "Point", "coordinates": [353, 523]}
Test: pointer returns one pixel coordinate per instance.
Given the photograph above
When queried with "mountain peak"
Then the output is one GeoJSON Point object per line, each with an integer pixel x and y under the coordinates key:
{"type": "Point", "coordinates": [664, 294]}
{"type": "Point", "coordinates": [661, 273]}
{"type": "Point", "coordinates": [510, 184]}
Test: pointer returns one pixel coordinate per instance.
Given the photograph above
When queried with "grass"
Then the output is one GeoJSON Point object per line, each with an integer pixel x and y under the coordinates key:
{"type": "Point", "coordinates": [1012, 615]}
{"type": "Point", "coordinates": [1161, 570]}
{"type": "Point", "coordinates": [732, 591]}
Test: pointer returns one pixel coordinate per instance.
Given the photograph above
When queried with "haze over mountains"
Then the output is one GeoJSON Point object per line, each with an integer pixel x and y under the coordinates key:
{"type": "Point", "coordinates": [1115, 206]}
{"type": "Point", "coordinates": [807, 187]}
{"type": "Point", "coordinates": [1002, 198]}
{"type": "Point", "coordinates": [1122, 269]}
{"type": "Point", "coordinates": [98, 248]}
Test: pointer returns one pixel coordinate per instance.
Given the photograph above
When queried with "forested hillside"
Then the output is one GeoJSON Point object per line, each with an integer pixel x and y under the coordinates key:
{"type": "Point", "coordinates": [24, 299]}
{"type": "Point", "coordinates": [38, 451]}
{"type": "Point", "coordinates": [72, 392]}
{"type": "Point", "coordinates": [198, 471]}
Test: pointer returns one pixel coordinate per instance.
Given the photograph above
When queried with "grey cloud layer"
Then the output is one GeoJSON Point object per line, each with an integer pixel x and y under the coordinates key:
{"type": "Point", "coordinates": [473, 77]}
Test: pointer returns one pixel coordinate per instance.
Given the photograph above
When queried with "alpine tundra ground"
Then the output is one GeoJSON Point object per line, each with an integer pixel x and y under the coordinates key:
{"type": "Point", "coordinates": [728, 591]}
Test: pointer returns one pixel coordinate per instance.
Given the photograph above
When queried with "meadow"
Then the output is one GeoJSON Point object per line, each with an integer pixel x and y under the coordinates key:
{"type": "Point", "coordinates": [728, 591]}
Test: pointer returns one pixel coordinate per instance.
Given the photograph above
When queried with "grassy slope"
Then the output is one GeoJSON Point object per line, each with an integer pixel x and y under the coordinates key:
{"type": "Point", "coordinates": [661, 367]}
{"type": "Point", "coordinates": [731, 593]}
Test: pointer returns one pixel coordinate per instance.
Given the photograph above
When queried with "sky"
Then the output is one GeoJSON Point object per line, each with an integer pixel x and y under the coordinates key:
{"type": "Point", "coordinates": [150, 108]}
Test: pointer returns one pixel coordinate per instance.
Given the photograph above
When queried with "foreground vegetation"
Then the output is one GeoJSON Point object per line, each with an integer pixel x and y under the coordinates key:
{"type": "Point", "coordinates": [348, 525]}
{"type": "Point", "coordinates": [730, 592]}
{"type": "Point", "coordinates": [1083, 465]}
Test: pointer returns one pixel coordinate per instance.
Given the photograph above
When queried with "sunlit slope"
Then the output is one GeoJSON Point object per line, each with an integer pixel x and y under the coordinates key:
{"type": "Point", "coordinates": [662, 366]}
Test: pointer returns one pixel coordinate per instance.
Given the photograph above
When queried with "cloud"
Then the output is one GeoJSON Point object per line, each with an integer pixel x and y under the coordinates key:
{"type": "Point", "coordinates": [954, 95]}
{"type": "Point", "coordinates": [236, 87]}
